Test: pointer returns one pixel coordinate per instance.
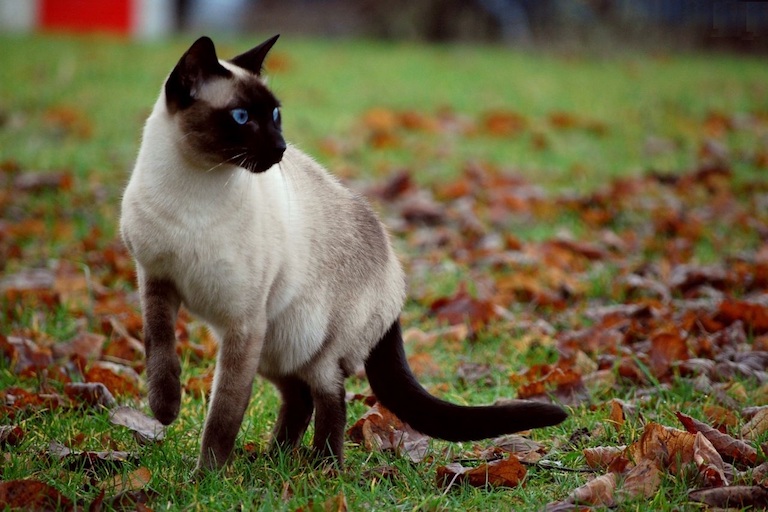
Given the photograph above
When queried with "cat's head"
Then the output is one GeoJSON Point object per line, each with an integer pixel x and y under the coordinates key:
{"type": "Point", "coordinates": [224, 110]}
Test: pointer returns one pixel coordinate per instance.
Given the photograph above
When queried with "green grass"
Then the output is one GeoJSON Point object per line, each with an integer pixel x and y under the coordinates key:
{"type": "Point", "coordinates": [78, 104]}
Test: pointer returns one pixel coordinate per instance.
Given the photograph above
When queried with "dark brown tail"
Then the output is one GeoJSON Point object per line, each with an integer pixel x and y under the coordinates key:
{"type": "Point", "coordinates": [397, 389]}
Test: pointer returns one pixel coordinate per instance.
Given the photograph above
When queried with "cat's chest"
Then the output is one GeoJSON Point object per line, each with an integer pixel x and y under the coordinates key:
{"type": "Point", "coordinates": [210, 261]}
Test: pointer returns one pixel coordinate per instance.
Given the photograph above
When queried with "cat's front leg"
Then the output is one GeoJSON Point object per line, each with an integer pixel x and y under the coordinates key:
{"type": "Point", "coordinates": [160, 306]}
{"type": "Point", "coordinates": [236, 368]}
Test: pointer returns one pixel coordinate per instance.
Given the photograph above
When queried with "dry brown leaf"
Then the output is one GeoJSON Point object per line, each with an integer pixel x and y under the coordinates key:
{"type": "Point", "coordinates": [463, 308]}
{"type": "Point", "coordinates": [756, 426]}
{"type": "Point", "coordinates": [27, 357]}
{"type": "Point", "coordinates": [710, 463]}
{"type": "Point", "coordinates": [133, 500]}
{"type": "Point", "coordinates": [729, 448]}
{"type": "Point", "coordinates": [424, 365]}
{"type": "Point", "coordinates": [379, 429]}
{"type": "Point", "coordinates": [667, 447]}
{"type": "Point", "coordinates": [88, 460]}
{"type": "Point", "coordinates": [754, 315]}
{"type": "Point", "coordinates": [10, 435]}
{"type": "Point", "coordinates": [503, 123]}
{"type": "Point", "coordinates": [598, 491]}
{"type": "Point", "coordinates": [122, 346]}
{"type": "Point", "coordinates": [600, 457]}
{"type": "Point", "coordinates": [507, 472]}
{"type": "Point", "coordinates": [643, 480]}
{"type": "Point", "coordinates": [526, 450]}
{"type": "Point", "coordinates": [720, 417]}
{"type": "Point", "coordinates": [121, 380]}
{"type": "Point", "coordinates": [32, 495]}
{"type": "Point", "coordinates": [18, 398]}
{"type": "Point", "coordinates": [732, 497]}
{"type": "Point", "coordinates": [200, 386]}
{"type": "Point", "coordinates": [145, 428]}
{"type": "Point", "coordinates": [90, 393]}
{"type": "Point", "coordinates": [617, 414]}
{"type": "Point", "coordinates": [759, 475]}
{"type": "Point", "coordinates": [135, 480]}
{"type": "Point", "coordinates": [666, 349]}
{"type": "Point", "coordinates": [564, 383]}
{"type": "Point", "coordinates": [336, 503]}
{"type": "Point", "coordinates": [85, 345]}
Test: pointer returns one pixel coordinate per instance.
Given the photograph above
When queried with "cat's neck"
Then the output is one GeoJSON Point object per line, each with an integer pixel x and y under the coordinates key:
{"type": "Point", "coordinates": [165, 171]}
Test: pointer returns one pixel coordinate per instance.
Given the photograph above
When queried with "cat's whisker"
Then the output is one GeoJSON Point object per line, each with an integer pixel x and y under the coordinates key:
{"type": "Point", "coordinates": [184, 136]}
{"type": "Point", "coordinates": [286, 176]}
{"type": "Point", "coordinates": [224, 162]}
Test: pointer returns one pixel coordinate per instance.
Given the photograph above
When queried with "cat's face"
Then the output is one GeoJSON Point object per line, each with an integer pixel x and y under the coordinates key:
{"type": "Point", "coordinates": [225, 112]}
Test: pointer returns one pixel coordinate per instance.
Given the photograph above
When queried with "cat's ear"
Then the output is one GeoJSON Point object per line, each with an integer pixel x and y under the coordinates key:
{"type": "Point", "coordinates": [253, 59]}
{"type": "Point", "coordinates": [197, 65]}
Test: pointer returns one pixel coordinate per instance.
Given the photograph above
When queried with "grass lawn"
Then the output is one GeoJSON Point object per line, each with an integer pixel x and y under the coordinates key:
{"type": "Point", "coordinates": [548, 186]}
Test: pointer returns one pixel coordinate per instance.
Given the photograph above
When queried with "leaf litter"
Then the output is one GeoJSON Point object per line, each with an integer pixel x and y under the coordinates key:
{"type": "Point", "coordinates": [663, 279]}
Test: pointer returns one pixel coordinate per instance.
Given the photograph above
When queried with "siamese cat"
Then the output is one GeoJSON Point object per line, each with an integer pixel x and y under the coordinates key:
{"type": "Point", "coordinates": [293, 272]}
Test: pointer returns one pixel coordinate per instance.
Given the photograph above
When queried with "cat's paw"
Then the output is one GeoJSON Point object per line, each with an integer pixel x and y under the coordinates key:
{"type": "Point", "coordinates": [208, 462]}
{"type": "Point", "coordinates": [165, 397]}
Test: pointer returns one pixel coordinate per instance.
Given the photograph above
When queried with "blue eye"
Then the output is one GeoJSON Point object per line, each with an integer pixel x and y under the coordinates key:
{"type": "Point", "coordinates": [240, 115]}
{"type": "Point", "coordinates": [276, 115]}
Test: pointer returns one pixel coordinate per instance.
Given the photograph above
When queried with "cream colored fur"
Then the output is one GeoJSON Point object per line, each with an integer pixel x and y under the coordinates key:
{"type": "Point", "coordinates": [291, 270]}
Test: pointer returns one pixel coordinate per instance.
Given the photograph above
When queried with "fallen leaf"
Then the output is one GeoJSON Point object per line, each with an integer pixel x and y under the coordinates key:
{"type": "Point", "coordinates": [86, 345]}
{"type": "Point", "coordinates": [757, 426]}
{"type": "Point", "coordinates": [754, 315]}
{"type": "Point", "coordinates": [564, 383]}
{"type": "Point", "coordinates": [38, 181]}
{"type": "Point", "coordinates": [666, 349]}
{"type": "Point", "coordinates": [133, 481]}
{"type": "Point", "coordinates": [473, 374]}
{"type": "Point", "coordinates": [26, 357]}
{"type": "Point", "coordinates": [379, 429]}
{"type": "Point", "coordinates": [617, 414]}
{"type": "Point", "coordinates": [641, 481]}
{"type": "Point", "coordinates": [90, 393]}
{"type": "Point", "coordinates": [66, 120]}
{"type": "Point", "coordinates": [121, 380]}
{"type": "Point", "coordinates": [92, 461]}
{"type": "Point", "coordinates": [146, 429]}
{"type": "Point", "coordinates": [600, 457]}
{"type": "Point", "coordinates": [759, 475]}
{"type": "Point", "coordinates": [668, 447]}
{"type": "Point", "coordinates": [10, 435]}
{"type": "Point", "coordinates": [32, 495]}
{"type": "Point", "coordinates": [709, 462]}
{"type": "Point", "coordinates": [729, 448]}
{"type": "Point", "coordinates": [424, 365]}
{"type": "Point", "coordinates": [132, 500]}
{"type": "Point", "coordinates": [599, 491]}
{"type": "Point", "coordinates": [526, 450]}
{"type": "Point", "coordinates": [503, 123]}
{"type": "Point", "coordinates": [18, 398]}
{"type": "Point", "coordinates": [507, 472]}
{"type": "Point", "coordinates": [720, 417]}
{"type": "Point", "coordinates": [336, 503]}
{"type": "Point", "coordinates": [200, 386]}
{"type": "Point", "coordinates": [732, 497]}
{"type": "Point", "coordinates": [463, 308]}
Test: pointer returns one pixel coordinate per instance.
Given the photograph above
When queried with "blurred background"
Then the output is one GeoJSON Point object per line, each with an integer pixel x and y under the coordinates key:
{"type": "Point", "coordinates": [681, 24]}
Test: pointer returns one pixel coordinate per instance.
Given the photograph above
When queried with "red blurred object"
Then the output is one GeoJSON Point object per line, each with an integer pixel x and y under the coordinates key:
{"type": "Point", "coordinates": [114, 16]}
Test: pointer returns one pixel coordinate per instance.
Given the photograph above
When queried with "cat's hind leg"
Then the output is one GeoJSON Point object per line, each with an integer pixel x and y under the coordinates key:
{"type": "Point", "coordinates": [330, 420]}
{"type": "Point", "coordinates": [295, 411]}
